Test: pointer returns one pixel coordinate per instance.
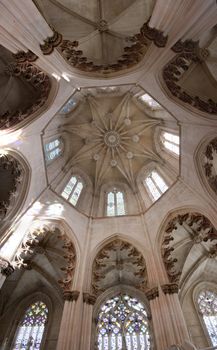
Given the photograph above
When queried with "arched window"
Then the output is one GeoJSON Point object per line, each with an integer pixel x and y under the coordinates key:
{"type": "Point", "coordinates": [31, 329]}
{"type": "Point", "coordinates": [73, 190]}
{"type": "Point", "coordinates": [170, 142]}
{"type": "Point", "coordinates": [207, 303]}
{"type": "Point", "coordinates": [68, 106]}
{"type": "Point", "coordinates": [149, 101]}
{"type": "Point", "coordinates": [155, 184]}
{"type": "Point", "coordinates": [123, 324]}
{"type": "Point", "coordinates": [52, 149]}
{"type": "Point", "coordinates": [115, 203]}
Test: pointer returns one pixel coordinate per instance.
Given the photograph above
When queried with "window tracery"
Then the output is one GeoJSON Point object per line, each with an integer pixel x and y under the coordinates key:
{"type": "Point", "coordinates": [123, 324]}
{"type": "Point", "coordinates": [73, 189]}
{"type": "Point", "coordinates": [170, 142]}
{"type": "Point", "coordinates": [115, 203]}
{"type": "Point", "coordinates": [31, 329]}
{"type": "Point", "coordinates": [207, 303]}
{"type": "Point", "coordinates": [53, 149]}
{"type": "Point", "coordinates": [155, 184]}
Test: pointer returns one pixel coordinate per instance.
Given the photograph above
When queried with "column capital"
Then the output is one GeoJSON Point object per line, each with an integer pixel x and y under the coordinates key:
{"type": "Point", "coordinates": [170, 288]}
{"type": "Point", "coordinates": [71, 295]}
{"type": "Point", "coordinates": [5, 267]}
{"type": "Point", "coordinates": [152, 293]}
{"type": "Point", "coordinates": [89, 298]}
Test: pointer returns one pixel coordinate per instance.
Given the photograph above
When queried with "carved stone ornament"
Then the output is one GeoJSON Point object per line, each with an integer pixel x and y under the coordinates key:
{"type": "Point", "coordinates": [132, 54]}
{"type": "Point", "coordinates": [6, 268]}
{"type": "Point", "coordinates": [32, 75]}
{"type": "Point", "coordinates": [31, 246]}
{"type": "Point", "coordinates": [22, 56]}
{"type": "Point", "coordinates": [14, 172]}
{"type": "Point", "coordinates": [51, 42]}
{"type": "Point", "coordinates": [114, 262]}
{"type": "Point", "coordinates": [170, 288]}
{"type": "Point", "coordinates": [188, 52]}
{"type": "Point", "coordinates": [89, 298]}
{"type": "Point", "coordinates": [152, 293]}
{"type": "Point", "coordinates": [200, 229]}
{"type": "Point", "coordinates": [209, 169]}
{"type": "Point", "coordinates": [71, 295]}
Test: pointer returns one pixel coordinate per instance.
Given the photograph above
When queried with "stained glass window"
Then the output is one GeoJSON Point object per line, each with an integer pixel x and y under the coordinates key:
{"type": "Point", "coordinates": [31, 329]}
{"type": "Point", "coordinates": [171, 142]}
{"type": "Point", "coordinates": [149, 101]}
{"type": "Point", "coordinates": [207, 303]}
{"type": "Point", "coordinates": [68, 107]}
{"type": "Point", "coordinates": [156, 185]}
{"type": "Point", "coordinates": [123, 324]}
{"type": "Point", "coordinates": [52, 149]}
{"type": "Point", "coordinates": [73, 189]}
{"type": "Point", "coordinates": [115, 203]}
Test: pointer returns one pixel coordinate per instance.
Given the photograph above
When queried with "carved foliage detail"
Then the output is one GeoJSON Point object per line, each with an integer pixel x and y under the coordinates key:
{"type": "Point", "coordinates": [188, 52]}
{"type": "Point", "coordinates": [115, 256]}
{"type": "Point", "coordinates": [132, 55]}
{"type": "Point", "coordinates": [200, 229]}
{"type": "Point", "coordinates": [26, 70]}
{"type": "Point", "coordinates": [33, 244]}
{"type": "Point", "coordinates": [11, 165]}
{"type": "Point", "coordinates": [209, 169]}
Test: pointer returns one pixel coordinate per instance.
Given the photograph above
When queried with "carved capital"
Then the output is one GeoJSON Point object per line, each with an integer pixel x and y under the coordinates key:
{"type": "Point", "coordinates": [50, 43]}
{"type": "Point", "coordinates": [152, 293]}
{"type": "Point", "coordinates": [71, 295]}
{"type": "Point", "coordinates": [5, 267]}
{"type": "Point", "coordinates": [89, 298]}
{"type": "Point", "coordinates": [170, 288]}
{"type": "Point", "coordinates": [22, 56]}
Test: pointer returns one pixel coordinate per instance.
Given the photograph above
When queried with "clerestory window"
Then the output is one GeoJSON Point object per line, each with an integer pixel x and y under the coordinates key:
{"type": "Point", "coordinates": [53, 149]}
{"type": "Point", "coordinates": [73, 189]}
{"type": "Point", "coordinates": [207, 304]}
{"type": "Point", "coordinates": [170, 142]}
{"type": "Point", "coordinates": [115, 203]}
{"type": "Point", "coordinates": [31, 329]}
{"type": "Point", "coordinates": [155, 184]}
{"type": "Point", "coordinates": [123, 323]}
{"type": "Point", "coordinates": [149, 101]}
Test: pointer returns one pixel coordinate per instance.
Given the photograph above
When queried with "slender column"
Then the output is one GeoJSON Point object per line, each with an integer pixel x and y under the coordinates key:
{"type": "Point", "coordinates": [167, 317]}
{"type": "Point", "coordinates": [6, 269]}
{"type": "Point", "coordinates": [89, 301]}
{"type": "Point", "coordinates": [171, 295]}
{"type": "Point", "coordinates": [68, 320]}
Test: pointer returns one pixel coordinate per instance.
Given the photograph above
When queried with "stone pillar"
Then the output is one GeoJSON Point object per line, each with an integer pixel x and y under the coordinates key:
{"type": "Point", "coordinates": [168, 321]}
{"type": "Point", "coordinates": [65, 340]}
{"type": "Point", "coordinates": [89, 301]}
{"type": "Point", "coordinates": [6, 269]}
{"type": "Point", "coordinates": [170, 292]}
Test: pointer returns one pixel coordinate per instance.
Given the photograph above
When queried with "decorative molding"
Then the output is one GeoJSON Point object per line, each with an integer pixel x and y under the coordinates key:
{"type": "Point", "coordinates": [201, 230]}
{"type": "Point", "coordinates": [22, 56]}
{"type": "Point", "coordinates": [30, 246]}
{"type": "Point", "coordinates": [89, 298]}
{"type": "Point", "coordinates": [170, 288]}
{"type": "Point", "coordinates": [152, 293]}
{"type": "Point", "coordinates": [9, 163]}
{"type": "Point", "coordinates": [71, 295]}
{"type": "Point", "coordinates": [132, 54]}
{"type": "Point", "coordinates": [33, 76]}
{"type": "Point", "coordinates": [6, 268]}
{"type": "Point", "coordinates": [51, 42]}
{"type": "Point", "coordinates": [208, 164]}
{"type": "Point", "coordinates": [188, 52]}
{"type": "Point", "coordinates": [102, 263]}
